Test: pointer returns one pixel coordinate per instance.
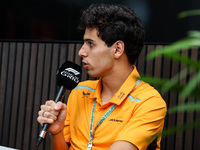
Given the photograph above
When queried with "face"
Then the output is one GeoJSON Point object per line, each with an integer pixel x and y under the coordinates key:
{"type": "Point", "coordinates": [97, 56]}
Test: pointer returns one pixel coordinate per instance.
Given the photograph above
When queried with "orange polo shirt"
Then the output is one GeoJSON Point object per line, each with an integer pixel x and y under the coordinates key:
{"type": "Point", "coordinates": [138, 116]}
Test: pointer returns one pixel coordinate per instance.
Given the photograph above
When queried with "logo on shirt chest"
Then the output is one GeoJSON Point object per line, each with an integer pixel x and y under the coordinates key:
{"type": "Point", "coordinates": [116, 120]}
{"type": "Point", "coordinates": [85, 94]}
{"type": "Point", "coordinates": [121, 95]}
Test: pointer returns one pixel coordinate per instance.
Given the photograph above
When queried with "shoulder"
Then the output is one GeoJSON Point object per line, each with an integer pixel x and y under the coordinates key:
{"type": "Point", "coordinates": [83, 90]}
{"type": "Point", "coordinates": [144, 90]}
{"type": "Point", "coordinates": [148, 94]}
{"type": "Point", "coordinates": [87, 85]}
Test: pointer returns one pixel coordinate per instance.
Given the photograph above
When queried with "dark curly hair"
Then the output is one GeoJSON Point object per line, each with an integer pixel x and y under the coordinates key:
{"type": "Point", "coordinates": [116, 22]}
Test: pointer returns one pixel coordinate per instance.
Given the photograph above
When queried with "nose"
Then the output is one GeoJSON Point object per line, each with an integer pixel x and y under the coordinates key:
{"type": "Point", "coordinates": [82, 51]}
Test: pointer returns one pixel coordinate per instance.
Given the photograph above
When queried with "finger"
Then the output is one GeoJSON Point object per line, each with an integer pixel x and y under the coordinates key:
{"type": "Point", "coordinates": [62, 112]}
{"type": "Point", "coordinates": [49, 107]}
{"type": "Point", "coordinates": [43, 120]}
{"type": "Point", "coordinates": [38, 119]}
{"type": "Point", "coordinates": [64, 107]}
{"type": "Point", "coordinates": [43, 107]}
{"type": "Point", "coordinates": [49, 115]}
{"type": "Point", "coordinates": [59, 106]}
{"type": "Point", "coordinates": [50, 103]}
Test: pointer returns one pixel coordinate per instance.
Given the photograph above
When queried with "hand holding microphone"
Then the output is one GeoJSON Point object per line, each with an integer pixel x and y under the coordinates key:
{"type": "Point", "coordinates": [54, 112]}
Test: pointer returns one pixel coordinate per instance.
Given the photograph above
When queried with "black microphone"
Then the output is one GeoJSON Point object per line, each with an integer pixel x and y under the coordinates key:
{"type": "Point", "coordinates": [68, 76]}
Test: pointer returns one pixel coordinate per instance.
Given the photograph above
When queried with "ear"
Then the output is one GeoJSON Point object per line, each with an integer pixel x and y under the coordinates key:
{"type": "Point", "coordinates": [118, 49]}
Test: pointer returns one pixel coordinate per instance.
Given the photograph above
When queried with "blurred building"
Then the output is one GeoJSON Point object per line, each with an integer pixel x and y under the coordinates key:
{"type": "Point", "coordinates": [58, 19]}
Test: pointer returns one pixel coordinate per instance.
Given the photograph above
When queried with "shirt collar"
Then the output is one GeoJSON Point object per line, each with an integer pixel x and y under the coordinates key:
{"type": "Point", "coordinates": [124, 90]}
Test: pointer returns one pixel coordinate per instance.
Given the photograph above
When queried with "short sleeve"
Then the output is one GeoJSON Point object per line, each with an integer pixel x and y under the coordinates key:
{"type": "Point", "coordinates": [145, 124]}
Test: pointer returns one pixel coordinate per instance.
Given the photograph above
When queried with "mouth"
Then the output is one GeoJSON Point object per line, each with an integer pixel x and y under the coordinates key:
{"type": "Point", "coordinates": [85, 64]}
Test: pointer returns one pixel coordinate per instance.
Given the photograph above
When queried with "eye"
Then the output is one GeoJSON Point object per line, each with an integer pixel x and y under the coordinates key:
{"type": "Point", "coordinates": [91, 44]}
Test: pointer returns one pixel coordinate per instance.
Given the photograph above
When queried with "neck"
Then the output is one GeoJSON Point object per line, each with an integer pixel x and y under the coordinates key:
{"type": "Point", "coordinates": [112, 83]}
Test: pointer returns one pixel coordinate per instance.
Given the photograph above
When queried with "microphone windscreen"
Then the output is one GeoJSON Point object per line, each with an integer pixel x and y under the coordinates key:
{"type": "Point", "coordinates": [69, 75]}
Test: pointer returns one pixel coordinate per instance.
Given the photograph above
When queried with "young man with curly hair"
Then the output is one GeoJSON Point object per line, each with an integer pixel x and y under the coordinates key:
{"type": "Point", "coordinates": [119, 112]}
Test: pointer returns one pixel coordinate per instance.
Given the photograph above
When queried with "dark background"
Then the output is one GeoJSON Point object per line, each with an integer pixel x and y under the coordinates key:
{"type": "Point", "coordinates": [58, 19]}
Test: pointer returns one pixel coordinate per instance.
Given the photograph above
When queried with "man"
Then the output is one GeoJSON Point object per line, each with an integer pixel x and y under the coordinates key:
{"type": "Point", "coordinates": [118, 111]}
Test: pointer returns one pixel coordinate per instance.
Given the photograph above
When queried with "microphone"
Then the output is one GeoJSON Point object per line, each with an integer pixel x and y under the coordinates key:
{"type": "Point", "coordinates": [68, 77]}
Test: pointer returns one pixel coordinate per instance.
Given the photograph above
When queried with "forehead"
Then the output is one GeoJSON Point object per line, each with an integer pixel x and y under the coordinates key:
{"type": "Point", "coordinates": [91, 34]}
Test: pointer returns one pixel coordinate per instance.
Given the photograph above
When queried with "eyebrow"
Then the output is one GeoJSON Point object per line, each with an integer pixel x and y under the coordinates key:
{"type": "Point", "coordinates": [87, 39]}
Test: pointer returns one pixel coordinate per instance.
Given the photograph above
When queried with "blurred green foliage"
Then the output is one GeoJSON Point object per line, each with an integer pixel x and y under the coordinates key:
{"type": "Point", "coordinates": [190, 89]}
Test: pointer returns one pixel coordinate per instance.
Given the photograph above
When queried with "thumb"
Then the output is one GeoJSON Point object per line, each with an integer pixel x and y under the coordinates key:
{"type": "Point", "coordinates": [61, 107]}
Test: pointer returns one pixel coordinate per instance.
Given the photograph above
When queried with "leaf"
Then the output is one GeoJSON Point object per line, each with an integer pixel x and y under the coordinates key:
{"type": "Point", "coordinates": [191, 85]}
{"type": "Point", "coordinates": [184, 107]}
{"type": "Point", "coordinates": [179, 128]}
{"type": "Point", "coordinates": [173, 81]}
{"type": "Point", "coordinates": [177, 46]}
{"type": "Point", "coordinates": [177, 88]}
{"type": "Point", "coordinates": [185, 60]}
{"type": "Point", "coordinates": [152, 80]}
{"type": "Point", "coordinates": [189, 13]}
{"type": "Point", "coordinates": [194, 34]}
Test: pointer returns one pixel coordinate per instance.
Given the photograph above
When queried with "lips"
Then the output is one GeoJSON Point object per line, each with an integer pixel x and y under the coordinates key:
{"type": "Point", "coordinates": [85, 64]}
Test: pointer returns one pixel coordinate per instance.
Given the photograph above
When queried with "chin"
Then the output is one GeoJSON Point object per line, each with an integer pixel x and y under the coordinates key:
{"type": "Point", "coordinates": [92, 74]}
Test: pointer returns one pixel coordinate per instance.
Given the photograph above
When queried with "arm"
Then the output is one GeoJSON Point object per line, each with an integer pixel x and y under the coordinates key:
{"type": "Point", "coordinates": [145, 125]}
{"type": "Point", "coordinates": [54, 114]}
{"type": "Point", "coordinates": [58, 142]}
{"type": "Point", "coordinates": [122, 145]}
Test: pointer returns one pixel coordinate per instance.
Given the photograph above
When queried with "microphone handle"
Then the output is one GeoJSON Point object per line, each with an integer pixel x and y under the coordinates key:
{"type": "Point", "coordinates": [59, 97]}
{"type": "Point", "coordinates": [60, 94]}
